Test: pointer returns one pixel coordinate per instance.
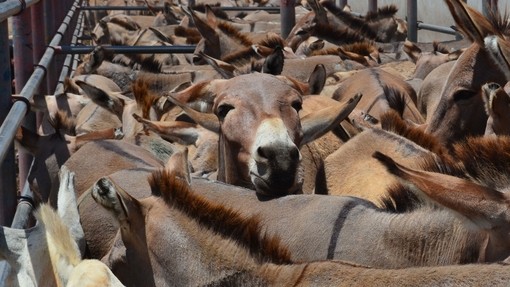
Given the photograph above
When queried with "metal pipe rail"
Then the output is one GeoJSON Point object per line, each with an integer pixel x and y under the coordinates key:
{"type": "Point", "coordinates": [19, 108]}
{"type": "Point", "coordinates": [436, 28]}
{"type": "Point", "coordinates": [69, 60]}
{"type": "Point", "coordinates": [12, 7]}
{"type": "Point", "coordinates": [127, 49]}
{"type": "Point", "coordinates": [159, 8]}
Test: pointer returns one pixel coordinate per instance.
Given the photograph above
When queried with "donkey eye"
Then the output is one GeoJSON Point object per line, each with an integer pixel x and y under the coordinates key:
{"type": "Point", "coordinates": [297, 105]}
{"type": "Point", "coordinates": [463, 96]}
{"type": "Point", "coordinates": [223, 110]}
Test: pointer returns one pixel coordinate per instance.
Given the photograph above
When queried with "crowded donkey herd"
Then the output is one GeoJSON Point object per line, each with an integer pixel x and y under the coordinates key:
{"type": "Point", "coordinates": [339, 155]}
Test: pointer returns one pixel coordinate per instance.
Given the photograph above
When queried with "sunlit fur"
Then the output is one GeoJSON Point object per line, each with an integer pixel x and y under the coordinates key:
{"type": "Point", "coordinates": [68, 267]}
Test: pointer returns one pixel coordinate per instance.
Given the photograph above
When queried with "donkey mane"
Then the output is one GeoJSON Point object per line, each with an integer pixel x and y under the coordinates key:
{"type": "Point", "coordinates": [241, 57]}
{"type": "Point", "coordinates": [272, 41]}
{"type": "Point", "coordinates": [246, 231]}
{"type": "Point", "coordinates": [231, 31]}
{"type": "Point", "coordinates": [353, 22]}
{"type": "Point", "coordinates": [363, 48]}
{"type": "Point", "coordinates": [383, 12]}
{"type": "Point", "coordinates": [61, 121]}
{"type": "Point", "coordinates": [486, 159]}
{"type": "Point", "coordinates": [439, 47]}
{"type": "Point", "coordinates": [392, 121]}
{"type": "Point", "coordinates": [332, 34]}
{"type": "Point", "coordinates": [400, 199]}
{"type": "Point", "coordinates": [148, 64]}
{"type": "Point", "coordinates": [144, 98]}
{"type": "Point", "coordinates": [192, 35]}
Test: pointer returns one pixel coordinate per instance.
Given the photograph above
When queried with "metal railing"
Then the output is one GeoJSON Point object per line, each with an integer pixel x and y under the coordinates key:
{"type": "Point", "coordinates": [13, 115]}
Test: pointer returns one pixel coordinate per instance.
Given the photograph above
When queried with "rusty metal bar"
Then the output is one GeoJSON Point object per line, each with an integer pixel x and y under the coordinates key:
{"type": "Point", "coordinates": [12, 7]}
{"type": "Point", "coordinates": [412, 20]}
{"type": "Point", "coordinates": [127, 49]}
{"type": "Point", "coordinates": [7, 164]}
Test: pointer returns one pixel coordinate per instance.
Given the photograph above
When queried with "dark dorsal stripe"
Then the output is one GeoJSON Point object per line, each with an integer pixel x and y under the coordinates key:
{"type": "Point", "coordinates": [232, 32]}
{"type": "Point", "coordinates": [246, 231]}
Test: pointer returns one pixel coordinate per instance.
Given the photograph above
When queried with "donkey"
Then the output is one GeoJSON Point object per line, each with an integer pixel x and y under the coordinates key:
{"type": "Point", "coordinates": [176, 236]}
{"type": "Point", "coordinates": [395, 240]}
{"type": "Point", "coordinates": [268, 159]}
{"type": "Point", "coordinates": [460, 111]}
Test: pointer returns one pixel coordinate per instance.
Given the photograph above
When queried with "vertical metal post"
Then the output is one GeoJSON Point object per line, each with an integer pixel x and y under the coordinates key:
{"type": "Point", "coordinates": [23, 68]}
{"type": "Point", "coordinates": [287, 16]}
{"type": "Point", "coordinates": [412, 20]}
{"type": "Point", "coordinates": [39, 45]}
{"type": "Point", "coordinates": [372, 5]}
{"type": "Point", "coordinates": [7, 166]}
{"type": "Point", "coordinates": [51, 27]}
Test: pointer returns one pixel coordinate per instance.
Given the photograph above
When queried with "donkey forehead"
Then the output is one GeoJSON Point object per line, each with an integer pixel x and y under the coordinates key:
{"type": "Point", "coordinates": [255, 89]}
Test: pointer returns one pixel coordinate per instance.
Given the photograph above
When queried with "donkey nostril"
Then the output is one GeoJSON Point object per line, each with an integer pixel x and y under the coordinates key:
{"type": "Point", "coordinates": [294, 154]}
{"type": "Point", "coordinates": [261, 152]}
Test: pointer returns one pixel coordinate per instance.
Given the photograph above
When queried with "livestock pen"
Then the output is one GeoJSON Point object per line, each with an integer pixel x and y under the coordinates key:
{"type": "Point", "coordinates": [47, 39]}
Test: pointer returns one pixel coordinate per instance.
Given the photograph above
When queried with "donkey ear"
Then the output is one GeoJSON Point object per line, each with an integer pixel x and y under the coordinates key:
{"type": "Point", "coordinates": [483, 206]}
{"type": "Point", "coordinates": [318, 123]}
{"type": "Point", "coordinates": [116, 200]}
{"type": "Point", "coordinates": [317, 80]}
{"type": "Point", "coordinates": [226, 70]}
{"type": "Point", "coordinates": [471, 22]}
{"type": "Point", "coordinates": [207, 120]}
{"type": "Point", "coordinates": [273, 64]}
{"type": "Point", "coordinates": [68, 206]}
{"type": "Point", "coordinates": [176, 131]}
{"type": "Point", "coordinates": [179, 165]}
{"type": "Point", "coordinates": [102, 98]}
